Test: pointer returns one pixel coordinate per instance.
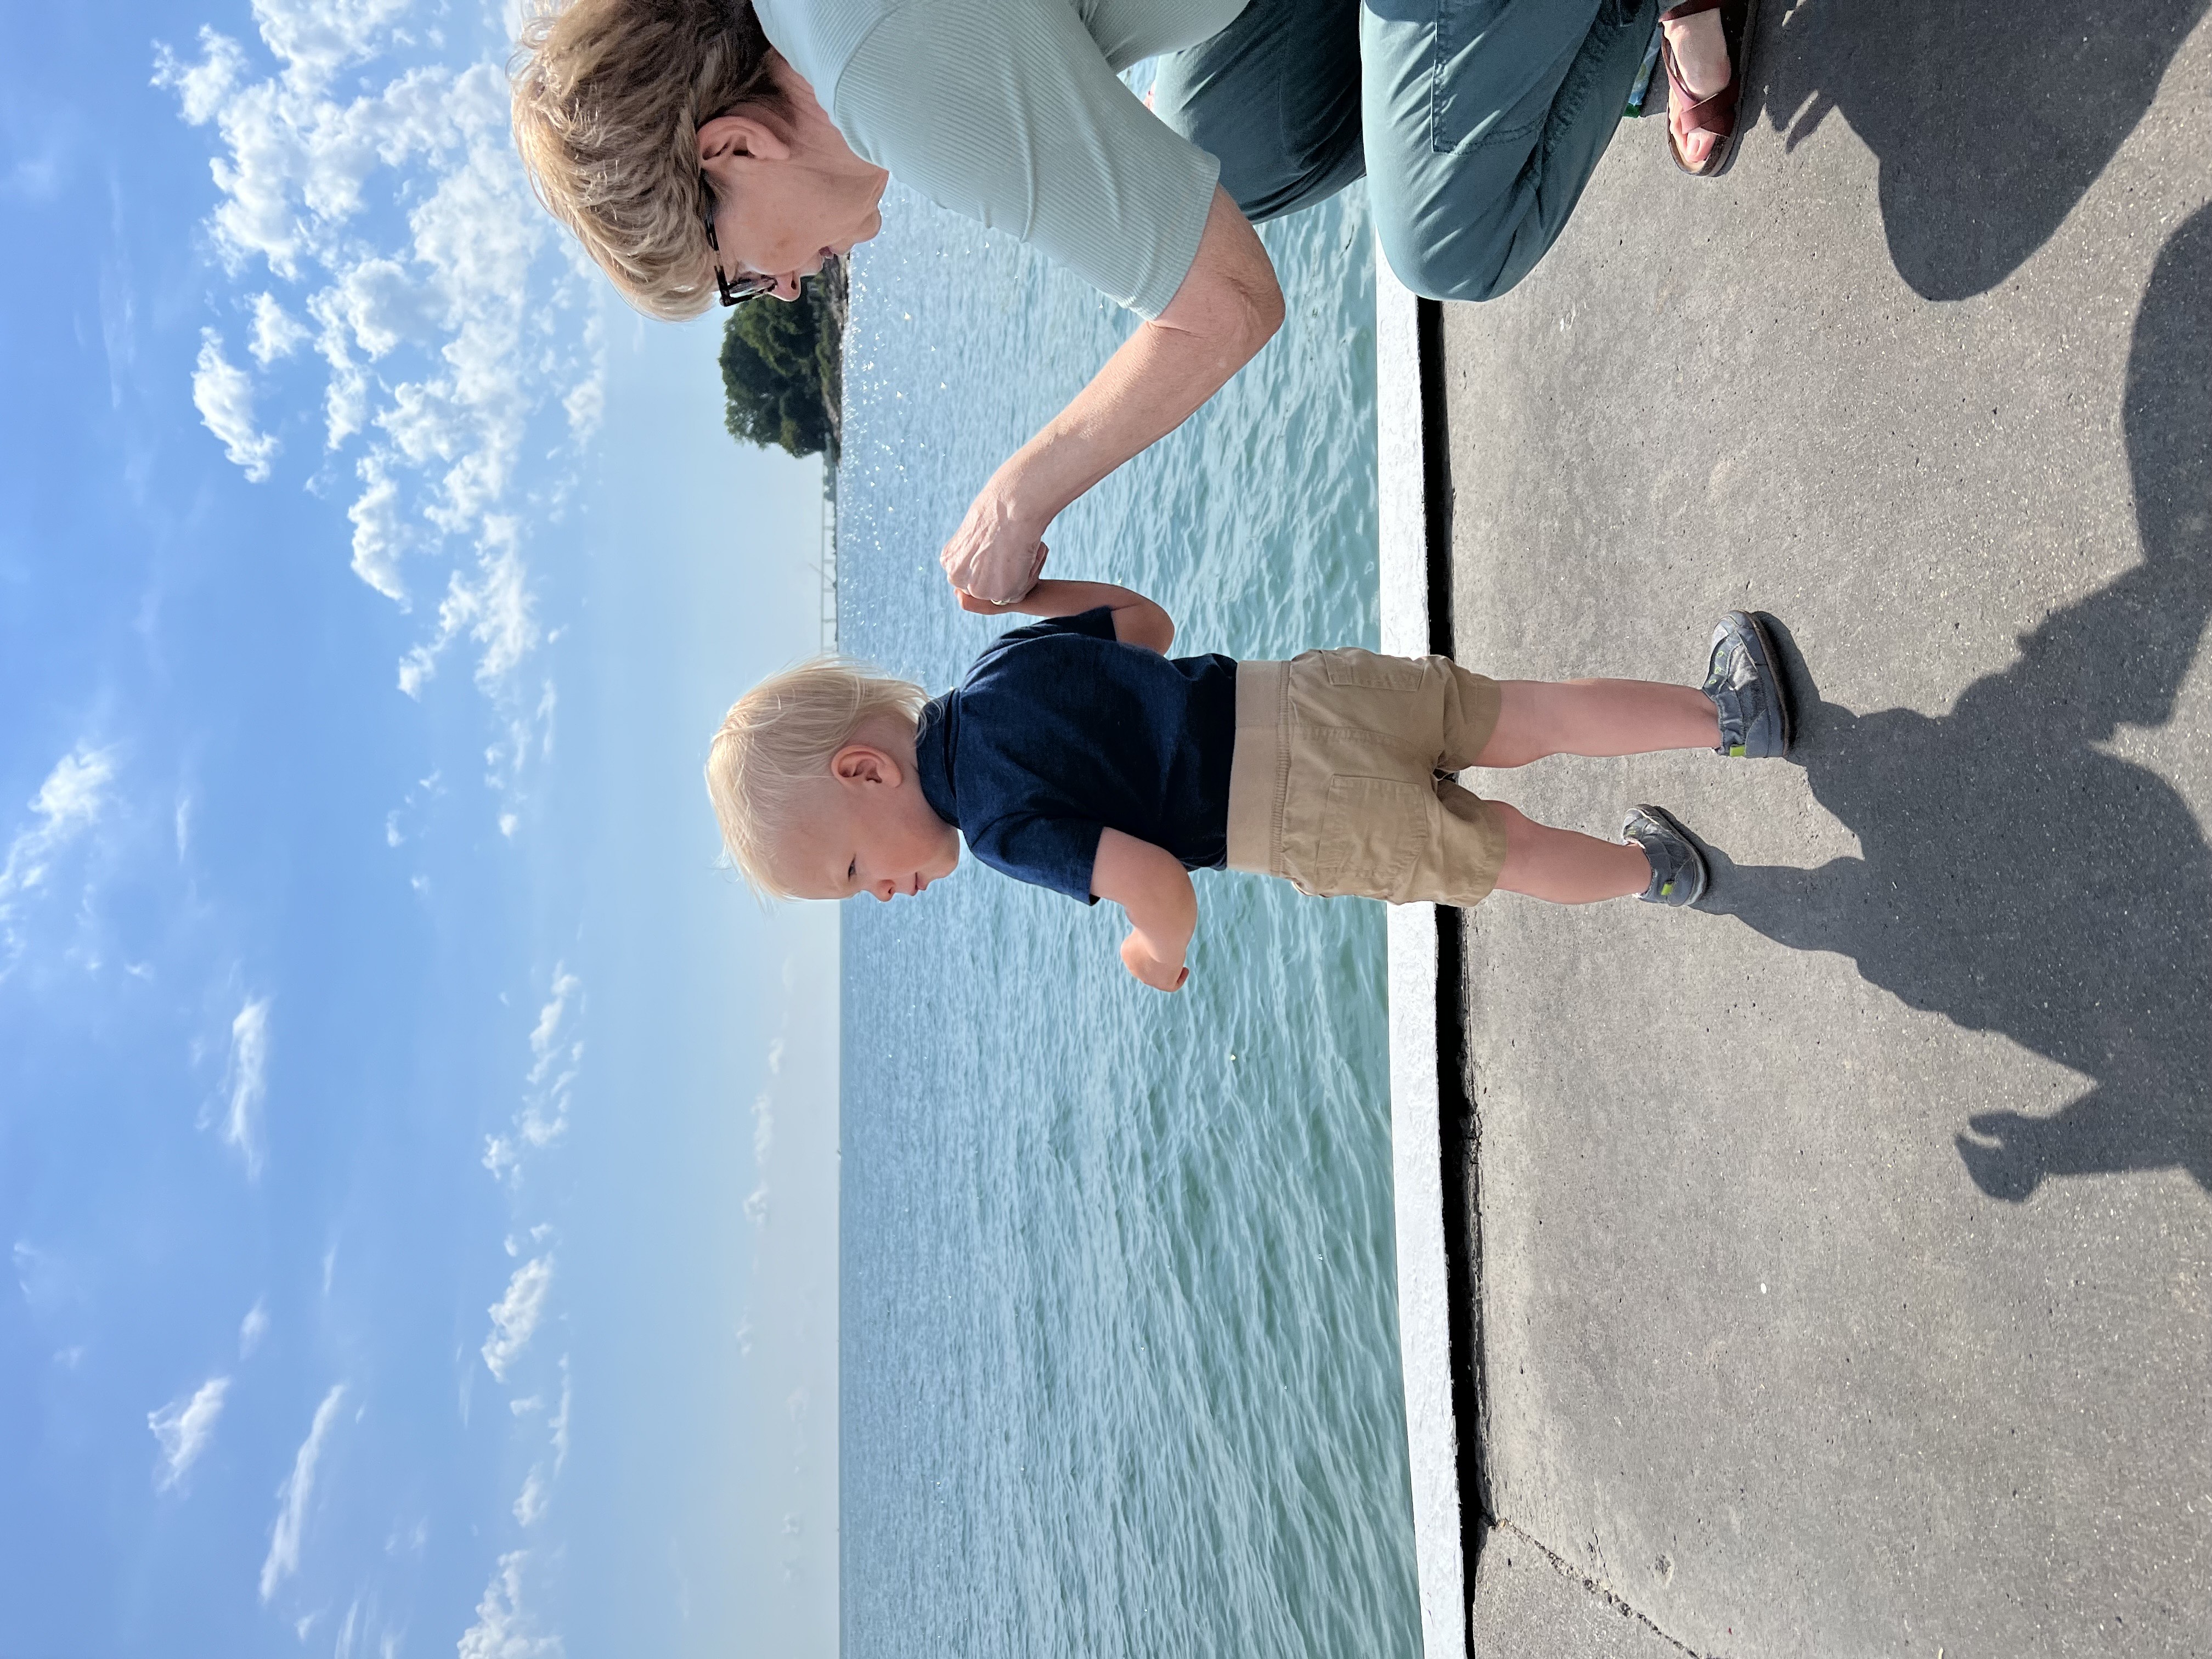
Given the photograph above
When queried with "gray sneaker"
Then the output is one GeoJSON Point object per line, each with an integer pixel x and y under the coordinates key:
{"type": "Point", "coordinates": [1746, 688]}
{"type": "Point", "coordinates": [1678, 868]}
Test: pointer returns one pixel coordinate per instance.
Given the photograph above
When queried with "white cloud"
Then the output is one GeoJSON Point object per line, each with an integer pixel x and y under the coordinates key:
{"type": "Point", "coordinates": [459, 327]}
{"type": "Point", "coordinates": [586, 405]}
{"type": "Point", "coordinates": [248, 1084]}
{"type": "Point", "coordinates": [542, 717]}
{"type": "Point", "coordinates": [44, 1279]}
{"type": "Point", "coordinates": [756, 1201]}
{"type": "Point", "coordinates": [69, 803]}
{"type": "Point", "coordinates": [381, 534]}
{"type": "Point", "coordinates": [503, 1630]}
{"type": "Point", "coordinates": [529, 1503]}
{"type": "Point", "coordinates": [545, 1036]}
{"type": "Point", "coordinates": [39, 176]}
{"type": "Point", "coordinates": [318, 38]}
{"type": "Point", "coordinates": [71, 799]}
{"type": "Point", "coordinates": [515, 1316]}
{"type": "Point", "coordinates": [253, 1328]}
{"type": "Point", "coordinates": [203, 87]}
{"type": "Point", "coordinates": [558, 1428]}
{"type": "Point", "coordinates": [496, 610]}
{"type": "Point", "coordinates": [283, 1559]}
{"type": "Point", "coordinates": [382, 306]}
{"type": "Point", "coordinates": [276, 333]}
{"type": "Point", "coordinates": [555, 1059]}
{"type": "Point", "coordinates": [183, 1427]}
{"type": "Point", "coordinates": [224, 397]}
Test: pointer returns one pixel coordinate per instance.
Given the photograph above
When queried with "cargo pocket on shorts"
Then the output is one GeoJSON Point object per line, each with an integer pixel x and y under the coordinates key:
{"type": "Point", "coordinates": [1372, 832]}
{"type": "Point", "coordinates": [1352, 667]}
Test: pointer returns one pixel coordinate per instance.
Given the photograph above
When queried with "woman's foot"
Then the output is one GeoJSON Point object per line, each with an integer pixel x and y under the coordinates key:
{"type": "Point", "coordinates": [1701, 59]}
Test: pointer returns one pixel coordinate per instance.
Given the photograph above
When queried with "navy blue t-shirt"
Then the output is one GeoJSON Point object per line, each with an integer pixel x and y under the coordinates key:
{"type": "Point", "coordinates": [1060, 732]}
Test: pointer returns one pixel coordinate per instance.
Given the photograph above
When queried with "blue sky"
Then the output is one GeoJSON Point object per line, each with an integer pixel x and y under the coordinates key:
{"type": "Point", "coordinates": [416, 1155]}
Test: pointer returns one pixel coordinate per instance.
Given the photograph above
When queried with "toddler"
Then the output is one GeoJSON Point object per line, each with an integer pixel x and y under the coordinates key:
{"type": "Point", "coordinates": [1077, 755]}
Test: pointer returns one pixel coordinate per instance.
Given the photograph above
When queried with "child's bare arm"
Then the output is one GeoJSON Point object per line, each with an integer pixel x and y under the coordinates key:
{"type": "Point", "coordinates": [1154, 890]}
{"type": "Point", "coordinates": [1137, 620]}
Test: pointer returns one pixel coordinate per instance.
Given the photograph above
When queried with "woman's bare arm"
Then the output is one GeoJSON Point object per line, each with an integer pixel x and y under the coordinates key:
{"type": "Point", "coordinates": [1229, 306]}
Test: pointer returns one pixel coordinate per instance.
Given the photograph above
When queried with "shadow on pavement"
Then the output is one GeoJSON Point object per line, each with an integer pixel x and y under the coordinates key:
{"type": "Point", "coordinates": [2018, 878]}
{"type": "Point", "coordinates": [1991, 118]}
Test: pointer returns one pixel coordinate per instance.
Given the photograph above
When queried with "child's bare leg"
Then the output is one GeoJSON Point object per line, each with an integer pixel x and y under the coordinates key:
{"type": "Point", "coordinates": [1536, 718]}
{"type": "Point", "coordinates": [1565, 867]}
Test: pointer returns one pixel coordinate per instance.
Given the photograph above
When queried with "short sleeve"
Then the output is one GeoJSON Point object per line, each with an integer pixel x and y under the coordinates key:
{"type": "Point", "coordinates": [1056, 853]}
{"type": "Point", "coordinates": [1010, 113]}
{"type": "Point", "coordinates": [1096, 623]}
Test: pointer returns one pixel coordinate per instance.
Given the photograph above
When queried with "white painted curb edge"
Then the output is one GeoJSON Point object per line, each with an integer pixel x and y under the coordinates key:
{"type": "Point", "coordinates": [1416, 1152]}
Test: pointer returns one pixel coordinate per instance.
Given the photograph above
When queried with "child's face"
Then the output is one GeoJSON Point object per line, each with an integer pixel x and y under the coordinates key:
{"type": "Point", "coordinates": [872, 832]}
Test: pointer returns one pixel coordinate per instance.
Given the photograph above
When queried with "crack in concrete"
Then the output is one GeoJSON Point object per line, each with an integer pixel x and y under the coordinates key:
{"type": "Point", "coordinates": [1600, 1590]}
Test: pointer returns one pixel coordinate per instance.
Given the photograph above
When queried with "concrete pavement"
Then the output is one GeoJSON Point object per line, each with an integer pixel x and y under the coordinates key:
{"type": "Point", "coordinates": [1845, 1272]}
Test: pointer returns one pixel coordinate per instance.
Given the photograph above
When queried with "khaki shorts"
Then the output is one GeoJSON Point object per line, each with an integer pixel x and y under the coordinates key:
{"type": "Point", "coordinates": [1334, 785]}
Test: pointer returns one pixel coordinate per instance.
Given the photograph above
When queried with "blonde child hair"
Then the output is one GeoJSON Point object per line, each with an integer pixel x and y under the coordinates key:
{"type": "Point", "coordinates": [609, 96]}
{"type": "Point", "coordinates": [778, 741]}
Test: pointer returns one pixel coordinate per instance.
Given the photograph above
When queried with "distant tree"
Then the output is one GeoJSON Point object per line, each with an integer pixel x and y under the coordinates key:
{"type": "Point", "coordinates": [782, 368]}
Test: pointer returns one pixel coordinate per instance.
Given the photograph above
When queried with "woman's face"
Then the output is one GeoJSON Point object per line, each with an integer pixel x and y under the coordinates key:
{"type": "Point", "coordinates": [789, 193]}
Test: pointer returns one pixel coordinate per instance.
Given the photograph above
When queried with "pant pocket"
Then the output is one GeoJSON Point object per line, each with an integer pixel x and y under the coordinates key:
{"type": "Point", "coordinates": [1373, 831]}
{"type": "Point", "coordinates": [1497, 65]}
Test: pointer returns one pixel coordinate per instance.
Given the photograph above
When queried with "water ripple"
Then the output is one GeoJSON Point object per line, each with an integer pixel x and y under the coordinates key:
{"type": "Point", "coordinates": [1119, 1367]}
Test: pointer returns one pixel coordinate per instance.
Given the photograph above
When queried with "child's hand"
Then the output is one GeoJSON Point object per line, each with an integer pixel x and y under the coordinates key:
{"type": "Point", "coordinates": [1136, 956]}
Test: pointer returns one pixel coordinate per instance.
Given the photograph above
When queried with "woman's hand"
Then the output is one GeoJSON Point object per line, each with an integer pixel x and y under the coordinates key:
{"type": "Point", "coordinates": [994, 557]}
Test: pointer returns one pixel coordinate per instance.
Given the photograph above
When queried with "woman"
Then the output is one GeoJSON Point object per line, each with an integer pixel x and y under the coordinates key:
{"type": "Point", "coordinates": [699, 147]}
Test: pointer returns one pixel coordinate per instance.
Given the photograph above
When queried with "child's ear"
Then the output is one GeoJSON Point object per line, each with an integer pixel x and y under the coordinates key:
{"type": "Point", "coordinates": [860, 762]}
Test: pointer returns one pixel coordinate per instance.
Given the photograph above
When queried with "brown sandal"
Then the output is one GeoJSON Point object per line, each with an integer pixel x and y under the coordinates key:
{"type": "Point", "coordinates": [1716, 113]}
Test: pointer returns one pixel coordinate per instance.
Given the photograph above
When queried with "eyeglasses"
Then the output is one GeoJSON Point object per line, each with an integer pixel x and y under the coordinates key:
{"type": "Point", "coordinates": [751, 286]}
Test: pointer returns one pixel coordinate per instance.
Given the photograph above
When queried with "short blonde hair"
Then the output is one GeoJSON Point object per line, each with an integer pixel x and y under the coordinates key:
{"type": "Point", "coordinates": [778, 741]}
{"type": "Point", "coordinates": [609, 96]}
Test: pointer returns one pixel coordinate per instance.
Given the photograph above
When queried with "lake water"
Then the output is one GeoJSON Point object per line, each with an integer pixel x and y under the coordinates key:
{"type": "Point", "coordinates": [1119, 1351]}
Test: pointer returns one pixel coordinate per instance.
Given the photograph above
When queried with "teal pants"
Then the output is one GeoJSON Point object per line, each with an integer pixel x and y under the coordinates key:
{"type": "Point", "coordinates": [1476, 122]}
